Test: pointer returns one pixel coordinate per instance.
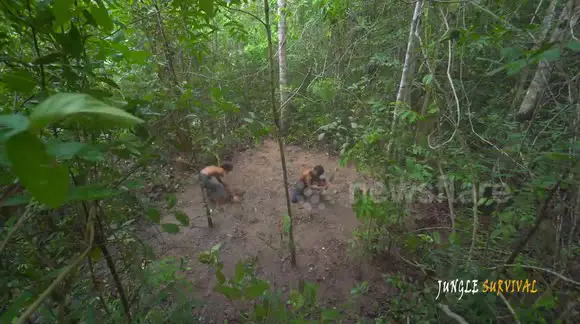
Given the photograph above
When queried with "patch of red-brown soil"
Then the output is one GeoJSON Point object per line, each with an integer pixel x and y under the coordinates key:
{"type": "Point", "coordinates": [250, 229]}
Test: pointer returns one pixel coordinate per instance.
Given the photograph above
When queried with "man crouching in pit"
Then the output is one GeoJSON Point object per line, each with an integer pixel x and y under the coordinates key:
{"type": "Point", "coordinates": [311, 178]}
{"type": "Point", "coordinates": [211, 178]}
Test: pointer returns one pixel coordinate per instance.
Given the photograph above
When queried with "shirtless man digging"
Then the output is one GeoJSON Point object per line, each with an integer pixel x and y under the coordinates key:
{"type": "Point", "coordinates": [211, 178]}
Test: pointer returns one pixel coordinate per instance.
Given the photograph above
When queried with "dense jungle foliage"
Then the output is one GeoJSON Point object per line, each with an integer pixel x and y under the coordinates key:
{"type": "Point", "coordinates": [102, 100]}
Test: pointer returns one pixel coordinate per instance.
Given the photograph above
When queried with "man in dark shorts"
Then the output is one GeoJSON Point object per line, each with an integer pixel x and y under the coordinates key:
{"type": "Point", "coordinates": [211, 178]}
{"type": "Point", "coordinates": [312, 178]}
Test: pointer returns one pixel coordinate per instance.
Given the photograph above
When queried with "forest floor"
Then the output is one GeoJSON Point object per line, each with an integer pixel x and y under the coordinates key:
{"type": "Point", "coordinates": [322, 237]}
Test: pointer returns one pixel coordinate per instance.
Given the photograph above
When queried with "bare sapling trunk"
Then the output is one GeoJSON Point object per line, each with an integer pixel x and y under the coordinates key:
{"type": "Point", "coordinates": [282, 64]}
{"type": "Point", "coordinates": [404, 93]}
{"type": "Point", "coordinates": [546, 26]}
{"type": "Point", "coordinates": [544, 72]}
{"type": "Point", "coordinates": [278, 129]}
{"type": "Point", "coordinates": [407, 74]}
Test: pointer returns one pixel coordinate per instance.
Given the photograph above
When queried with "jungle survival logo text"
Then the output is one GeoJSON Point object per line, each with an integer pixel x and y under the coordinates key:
{"type": "Point", "coordinates": [460, 287]}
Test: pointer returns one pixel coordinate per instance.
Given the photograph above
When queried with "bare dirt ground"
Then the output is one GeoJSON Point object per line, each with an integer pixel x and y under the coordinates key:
{"type": "Point", "coordinates": [244, 228]}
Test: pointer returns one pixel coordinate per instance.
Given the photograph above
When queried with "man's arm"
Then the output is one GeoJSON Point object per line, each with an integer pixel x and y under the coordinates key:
{"type": "Point", "coordinates": [223, 183]}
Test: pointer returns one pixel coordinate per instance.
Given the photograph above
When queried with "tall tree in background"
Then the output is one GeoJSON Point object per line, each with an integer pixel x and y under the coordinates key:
{"type": "Point", "coordinates": [279, 135]}
{"type": "Point", "coordinates": [404, 93]}
{"type": "Point", "coordinates": [543, 73]}
{"type": "Point", "coordinates": [282, 63]}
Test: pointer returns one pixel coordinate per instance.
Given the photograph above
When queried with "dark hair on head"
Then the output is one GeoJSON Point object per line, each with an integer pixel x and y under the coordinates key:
{"type": "Point", "coordinates": [227, 166]}
{"type": "Point", "coordinates": [319, 169]}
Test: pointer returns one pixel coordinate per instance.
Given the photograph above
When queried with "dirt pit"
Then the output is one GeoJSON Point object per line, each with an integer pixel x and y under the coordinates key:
{"type": "Point", "coordinates": [250, 229]}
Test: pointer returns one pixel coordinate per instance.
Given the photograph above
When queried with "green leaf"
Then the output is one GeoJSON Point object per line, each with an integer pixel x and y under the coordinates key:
{"type": "Point", "coordinates": [14, 123]}
{"type": "Point", "coordinates": [13, 310]}
{"type": "Point", "coordinates": [481, 201]}
{"type": "Point", "coordinates": [437, 237]}
{"type": "Point", "coordinates": [91, 192]}
{"type": "Point", "coordinates": [74, 43]}
{"type": "Point", "coordinates": [206, 6]}
{"type": "Point", "coordinates": [220, 276]}
{"type": "Point", "coordinates": [240, 271]}
{"type": "Point", "coordinates": [139, 57]}
{"type": "Point", "coordinates": [65, 150]}
{"type": "Point", "coordinates": [19, 80]}
{"type": "Point", "coordinates": [62, 105]}
{"type": "Point", "coordinates": [48, 59]}
{"type": "Point", "coordinates": [61, 11]}
{"type": "Point", "coordinates": [102, 16]}
{"type": "Point", "coordinates": [286, 222]}
{"type": "Point", "coordinates": [546, 301]}
{"type": "Point", "coordinates": [330, 315]}
{"type": "Point", "coordinates": [515, 67]}
{"type": "Point", "coordinates": [39, 172]}
{"type": "Point", "coordinates": [89, 17]}
{"type": "Point", "coordinates": [511, 53]}
{"type": "Point", "coordinates": [171, 201]}
{"type": "Point", "coordinates": [257, 289]}
{"type": "Point", "coordinates": [550, 55]}
{"type": "Point", "coordinates": [557, 156]}
{"type": "Point", "coordinates": [229, 292]}
{"type": "Point", "coordinates": [427, 79]}
{"type": "Point", "coordinates": [154, 215]}
{"type": "Point", "coordinates": [182, 218]}
{"type": "Point", "coordinates": [16, 200]}
{"type": "Point", "coordinates": [109, 82]}
{"type": "Point", "coordinates": [216, 248]}
{"type": "Point", "coordinates": [170, 228]}
{"type": "Point", "coordinates": [574, 45]}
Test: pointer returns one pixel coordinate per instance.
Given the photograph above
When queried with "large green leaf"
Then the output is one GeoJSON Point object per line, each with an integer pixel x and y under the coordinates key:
{"type": "Point", "coordinates": [574, 45]}
{"type": "Point", "coordinates": [182, 218]}
{"type": "Point", "coordinates": [138, 57]}
{"type": "Point", "coordinates": [62, 12]}
{"type": "Point", "coordinates": [91, 192]}
{"type": "Point", "coordinates": [154, 215]}
{"type": "Point", "coordinates": [48, 59]}
{"type": "Point", "coordinates": [550, 55]}
{"type": "Point", "coordinates": [65, 150]}
{"type": "Point", "coordinates": [257, 289]}
{"type": "Point", "coordinates": [39, 172]}
{"type": "Point", "coordinates": [62, 105]}
{"type": "Point", "coordinates": [11, 312]}
{"type": "Point", "coordinates": [11, 125]}
{"type": "Point", "coordinates": [230, 292]}
{"type": "Point", "coordinates": [170, 228]}
{"type": "Point", "coordinates": [330, 315]}
{"type": "Point", "coordinates": [74, 43]}
{"type": "Point", "coordinates": [102, 16]}
{"type": "Point", "coordinates": [19, 80]}
{"type": "Point", "coordinates": [206, 6]}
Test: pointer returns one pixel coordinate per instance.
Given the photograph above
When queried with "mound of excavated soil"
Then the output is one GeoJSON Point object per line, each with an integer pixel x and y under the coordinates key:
{"type": "Point", "coordinates": [251, 229]}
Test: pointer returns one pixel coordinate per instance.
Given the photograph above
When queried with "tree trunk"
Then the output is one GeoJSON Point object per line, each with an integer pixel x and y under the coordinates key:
{"type": "Point", "coordinates": [407, 74]}
{"type": "Point", "coordinates": [282, 64]}
{"type": "Point", "coordinates": [278, 133]}
{"type": "Point", "coordinates": [543, 73]}
{"type": "Point", "coordinates": [546, 26]}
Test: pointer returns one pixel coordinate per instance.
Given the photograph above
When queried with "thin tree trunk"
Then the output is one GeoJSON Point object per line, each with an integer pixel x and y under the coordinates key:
{"type": "Point", "coordinates": [279, 135]}
{"type": "Point", "coordinates": [282, 64]}
{"type": "Point", "coordinates": [546, 26]}
{"type": "Point", "coordinates": [168, 50]}
{"type": "Point", "coordinates": [407, 74]}
{"type": "Point", "coordinates": [543, 73]}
